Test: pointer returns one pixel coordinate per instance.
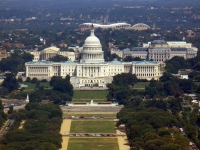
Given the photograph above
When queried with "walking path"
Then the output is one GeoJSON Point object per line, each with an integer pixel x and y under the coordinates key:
{"type": "Point", "coordinates": [4, 126]}
{"type": "Point", "coordinates": [122, 141]}
{"type": "Point", "coordinates": [22, 124]}
{"type": "Point", "coordinates": [65, 129]}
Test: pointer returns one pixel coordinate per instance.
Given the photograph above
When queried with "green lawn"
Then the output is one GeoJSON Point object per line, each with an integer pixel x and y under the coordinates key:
{"type": "Point", "coordinates": [88, 95]}
{"type": "Point", "coordinates": [31, 86]}
{"type": "Point", "coordinates": [90, 115]}
{"type": "Point", "coordinates": [93, 144]}
{"type": "Point", "coordinates": [162, 68]}
{"type": "Point", "coordinates": [197, 83]}
{"type": "Point", "coordinates": [141, 85]}
{"type": "Point", "coordinates": [92, 127]}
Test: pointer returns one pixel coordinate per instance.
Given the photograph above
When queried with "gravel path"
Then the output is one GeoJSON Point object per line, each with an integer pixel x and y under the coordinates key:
{"type": "Point", "coordinates": [122, 141]}
{"type": "Point", "coordinates": [65, 129]}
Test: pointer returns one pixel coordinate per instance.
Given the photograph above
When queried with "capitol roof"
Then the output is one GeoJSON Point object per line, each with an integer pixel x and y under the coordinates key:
{"type": "Point", "coordinates": [92, 39]}
{"type": "Point", "coordinates": [52, 48]}
{"type": "Point", "coordinates": [115, 61]}
{"type": "Point", "coordinates": [144, 62]}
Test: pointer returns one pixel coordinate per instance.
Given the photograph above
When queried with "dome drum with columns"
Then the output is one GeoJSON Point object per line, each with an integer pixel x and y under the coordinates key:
{"type": "Point", "coordinates": [92, 70]}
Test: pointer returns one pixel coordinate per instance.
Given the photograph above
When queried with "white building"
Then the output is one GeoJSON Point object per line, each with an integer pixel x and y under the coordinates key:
{"type": "Point", "coordinates": [92, 70]}
{"type": "Point", "coordinates": [51, 52]}
{"type": "Point", "coordinates": [159, 50]}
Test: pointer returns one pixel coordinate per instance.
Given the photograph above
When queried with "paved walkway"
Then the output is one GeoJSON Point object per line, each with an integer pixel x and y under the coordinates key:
{"type": "Point", "coordinates": [2, 129]}
{"type": "Point", "coordinates": [22, 124]}
{"type": "Point", "coordinates": [65, 129]}
{"type": "Point", "coordinates": [122, 141]}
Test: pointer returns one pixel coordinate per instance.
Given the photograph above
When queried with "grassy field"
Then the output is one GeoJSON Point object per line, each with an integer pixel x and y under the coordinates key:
{"type": "Point", "coordinates": [90, 115]}
{"type": "Point", "coordinates": [88, 95]}
{"type": "Point", "coordinates": [31, 86]}
{"type": "Point", "coordinates": [197, 83]}
{"type": "Point", "coordinates": [141, 85]}
{"type": "Point", "coordinates": [92, 127]}
{"type": "Point", "coordinates": [93, 144]}
{"type": "Point", "coordinates": [162, 68]}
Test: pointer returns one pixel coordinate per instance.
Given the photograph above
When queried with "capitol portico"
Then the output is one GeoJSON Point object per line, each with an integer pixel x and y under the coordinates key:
{"type": "Point", "coordinates": [92, 70]}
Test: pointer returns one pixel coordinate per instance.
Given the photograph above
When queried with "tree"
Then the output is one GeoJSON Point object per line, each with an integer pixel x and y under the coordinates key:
{"type": "Point", "coordinates": [58, 58]}
{"type": "Point", "coordinates": [196, 66]}
{"type": "Point", "coordinates": [3, 91]}
{"type": "Point", "coordinates": [19, 79]}
{"type": "Point", "coordinates": [10, 82]}
{"type": "Point", "coordinates": [28, 79]}
{"type": "Point", "coordinates": [128, 59]}
{"type": "Point", "coordinates": [175, 105]}
{"type": "Point", "coordinates": [124, 79]}
{"type": "Point", "coordinates": [62, 85]}
{"type": "Point", "coordinates": [10, 111]}
{"type": "Point", "coordinates": [27, 57]}
{"type": "Point", "coordinates": [165, 77]}
{"type": "Point", "coordinates": [36, 96]}
{"type": "Point", "coordinates": [34, 80]}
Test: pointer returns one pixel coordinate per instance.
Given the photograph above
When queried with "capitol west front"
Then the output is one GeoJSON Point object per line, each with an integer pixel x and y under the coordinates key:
{"type": "Point", "coordinates": [92, 70]}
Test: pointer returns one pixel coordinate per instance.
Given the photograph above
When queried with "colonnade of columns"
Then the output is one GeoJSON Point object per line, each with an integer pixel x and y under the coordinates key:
{"type": "Point", "coordinates": [145, 69]}
{"type": "Point", "coordinates": [92, 56]}
{"type": "Point", "coordinates": [91, 71]}
{"type": "Point", "coordinates": [45, 56]}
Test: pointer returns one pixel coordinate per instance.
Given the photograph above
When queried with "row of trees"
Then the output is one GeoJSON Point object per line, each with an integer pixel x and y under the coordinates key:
{"type": "Point", "coordinates": [15, 62]}
{"type": "Point", "coordinates": [3, 116]}
{"type": "Point", "coordinates": [152, 128]}
{"type": "Point", "coordinates": [61, 91]}
{"type": "Point", "coordinates": [40, 131]}
{"type": "Point", "coordinates": [176, 63]}
{"type": "Point", "coordinates": [161, 99]}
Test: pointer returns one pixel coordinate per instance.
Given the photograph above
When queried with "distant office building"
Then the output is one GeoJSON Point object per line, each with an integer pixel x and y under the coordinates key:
{"type": "Point", "coordinates": [159, 50]}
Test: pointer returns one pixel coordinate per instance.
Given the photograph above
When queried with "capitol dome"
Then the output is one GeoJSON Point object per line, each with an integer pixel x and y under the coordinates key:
{"type": "Point", "coordinates": [92, 49]}
{"type": "Point", "coordinates": [92, 39]}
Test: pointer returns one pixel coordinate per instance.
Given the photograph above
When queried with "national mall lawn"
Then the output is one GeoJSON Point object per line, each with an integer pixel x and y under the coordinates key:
{"type": "Point", "coordinates": [93, 144]}
{"type": "Point", "coordinates": [96, 126]}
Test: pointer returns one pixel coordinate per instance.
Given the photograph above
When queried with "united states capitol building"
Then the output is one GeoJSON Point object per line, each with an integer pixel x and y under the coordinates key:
{"type": "Point", "coordinates": [92, 70]}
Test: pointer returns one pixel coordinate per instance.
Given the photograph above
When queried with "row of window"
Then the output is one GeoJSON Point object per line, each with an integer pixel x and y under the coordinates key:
{"type": "Point", "coordinates": [38, 67]}
{"type": "Point", "coordinates": [145, 75]}
{"type": "Point", "coordinates": [91, 81]}
{"type": "Point", "coordinates": [38, 75]}
{"type": "Point", "coordinates": [39, 70]}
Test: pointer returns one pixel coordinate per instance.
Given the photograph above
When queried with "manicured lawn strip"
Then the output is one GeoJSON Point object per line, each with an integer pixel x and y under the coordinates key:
{"type": "Point", "coordinates": [197, 83]}
{"type": "Point", "coordinates": [93, 144]}
{"type": "Point", "coordinates": [88, 95]}
{"type": "Point", "coordinates": [32, 85]}
{"type": "Point", "coordinates": [90, 115]}
{"type": "Point", "coordinates": [92, 127]}
{"type": "Point", "coordinates": [141, 85]}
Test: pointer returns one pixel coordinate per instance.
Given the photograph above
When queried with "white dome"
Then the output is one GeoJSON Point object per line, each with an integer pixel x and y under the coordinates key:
{"type": "Point", "coordinates": [92, 39]}
{"type": "Point", "coordinates": [92, 50]}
